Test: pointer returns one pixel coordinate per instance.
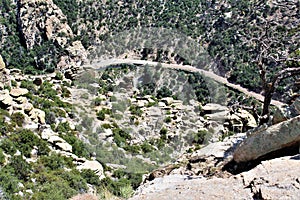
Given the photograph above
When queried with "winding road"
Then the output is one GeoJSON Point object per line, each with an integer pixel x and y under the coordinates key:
{"type": "Point", "coordinates": [209, 74]}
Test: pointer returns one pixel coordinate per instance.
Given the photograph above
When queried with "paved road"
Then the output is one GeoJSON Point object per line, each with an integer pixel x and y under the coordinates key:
{"type": "Point", "coordinates": [209, 74]}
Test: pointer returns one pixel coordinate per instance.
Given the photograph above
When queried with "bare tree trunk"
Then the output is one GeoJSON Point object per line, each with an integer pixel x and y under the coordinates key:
{"type": "Point", "coordinates": [267, 101]}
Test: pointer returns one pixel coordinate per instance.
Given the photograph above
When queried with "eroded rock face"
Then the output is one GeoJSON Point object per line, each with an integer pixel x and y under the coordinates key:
{"type": "Point", "coordinates": [49, 24]}
{"type": "Point", "coordinates": [48, 19]}
{"type": "Point", "coordinates": [264, 141]}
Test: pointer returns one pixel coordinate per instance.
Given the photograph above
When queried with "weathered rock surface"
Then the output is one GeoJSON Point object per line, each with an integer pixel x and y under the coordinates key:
{"type": "Point", "coordinates": [92, 165]}
{"type": "Point", "coordinates": [16, 92]}
{"type": "Point", "coordinates": [5, 98]}
{"type": "Point", "coordinates": [37, 115]}
{"type": "Point", "coordinates": [267, 140]}
{"type": "Point", "coordinates": [49, 24]}
{"type": "Point", "coordinates": [274, 179]}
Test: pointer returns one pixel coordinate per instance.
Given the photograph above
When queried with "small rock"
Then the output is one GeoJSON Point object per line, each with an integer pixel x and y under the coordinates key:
{"type": "Point", "coordinates": [167, 100]}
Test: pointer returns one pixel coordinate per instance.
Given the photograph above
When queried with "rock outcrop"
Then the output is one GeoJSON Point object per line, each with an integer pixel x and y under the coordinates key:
{"type": "Point", "coordinates": [267, 140]}
{"type": "Point", "coordinates": [273, 179]}
{"type": "Point", "coordinates": [49, 24]}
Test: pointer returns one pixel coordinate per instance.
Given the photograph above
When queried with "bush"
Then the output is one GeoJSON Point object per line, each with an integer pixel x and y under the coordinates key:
{"type": "Point", "coordinates": [63, 127]}
{"type": "Point", "coordinates": [74, 180]}
{"type": "Point", "coordinates": [135, 110]}
{"type": "Point", "coordinates": [56, 190]}
{"type": "Point", "coordinates": [55, 161]}
{"type": "Point", "coordinates": [121, 137]}
{"type": "Point", "coordinates": [163, 133]}
{"type": "Point", "coordinates": [8, 182]}
{"type": "Point", "coordinates": [25, 140]}
{"type": "Point", "coordinates": [90, 177]}
{"type": "Point", "coordinates": [164, 92]}
{"type": "Point", "coordinates": [20, 166]}
{"type": "Point", "coordinates": [8, 146]}
{"type": "Point", "coordinates": [200, 137]}
{"type": "Point", "coordinates": [146, 147]}
{"type": "Point", "coordinates": [2, 157]}
{"type": "Point", "coordinates": [78, 146]}
{"type": "Point", "coordinates": [18, 118]}
{"type": "Point", "coordinates": [133, 148]}
{"type": "Point", "coordinates": [97, 101]}
{"type": "Point", "coordinates": [101, 115]}
{"type": "Point", "coordinates": [168, 119]}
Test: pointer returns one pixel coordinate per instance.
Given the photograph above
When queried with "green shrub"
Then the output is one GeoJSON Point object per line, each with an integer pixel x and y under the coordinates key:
{"type": "Point", "coordinates": [2, 157]}
{"type": "Point", "coordinates": [90, 177]}
{"type": "Point", "coordinates": [56, 190]}
{"type": "Point", "coordinates": [97, 101]}
{"type": "Point", "coordinates": [8, 182]}
{"type": "Point", "coordinates": [55, 161]}
{"type": "Point", "coordinates": [135, 110]}
{"type": "Point", "coordinates": [74, 180]}
{"type": "Point", "coordinates": [18, 118]}
{"type": "Point", "coordinates": [121, 137]}
{"type": "Point", "coordinates": [25, 140]}
{"type": "Point", "coordinates": [78, 146]}
{"type": "Point", "coordinates": [65, 92]}
{"type": "Point", "coordinates": [101, 115]}
{"type": "Point", "coordinates": [146, 147]}
{"type": "Point", "coordinates": [8, 146]}
{"type": "Point", "coordinates": [200, 137]}
{"type": "Point", "coordinates": [168, 119]}
{"type": "Point", "coordinates": [21, 167]}
{"type": "Point", "coordinates": [135, 149]}
{"type": "Point", "coordinates": [106, 126]}
{"type": "Point", "coordinates": [163, 133]}
{"type": "Point", "coordinates": [59, 76]}
{"type": "Point", "coordinates": [164, 92]}
{"type": "Point", "coordinates": [3, 125]}
{"type": "Point", "coordinates": [63, 127]}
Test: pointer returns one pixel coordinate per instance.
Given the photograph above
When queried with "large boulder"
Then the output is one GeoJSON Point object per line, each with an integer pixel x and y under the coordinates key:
{"type": "Point", "coordinates": [16, 92]}
{"type": "Point", "coordinates": [267, 140]}
{"type": "Point", "coordinates": [37, 115]}
{"type": "Point", "coordinates": [94, 166]}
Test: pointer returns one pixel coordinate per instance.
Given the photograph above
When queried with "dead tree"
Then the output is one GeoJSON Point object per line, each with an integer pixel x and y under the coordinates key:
{"type": "Point", "coordinates": [274, 42]}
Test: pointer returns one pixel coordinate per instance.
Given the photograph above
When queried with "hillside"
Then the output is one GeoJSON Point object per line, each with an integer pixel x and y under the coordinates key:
{"type": "Point", "coordinates": [114, 99]}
